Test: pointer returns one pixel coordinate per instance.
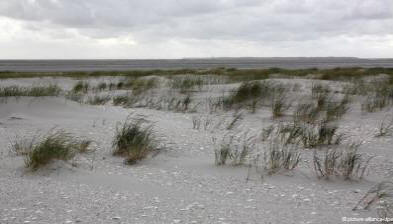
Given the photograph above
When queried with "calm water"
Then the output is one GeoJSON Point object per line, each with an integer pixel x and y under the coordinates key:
{"type": "Point", "coordinates": [118, 65]}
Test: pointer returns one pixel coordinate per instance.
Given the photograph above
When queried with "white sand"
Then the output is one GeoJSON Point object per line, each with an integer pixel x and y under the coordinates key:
{"type": "Point", "coordinates": [179, 185]}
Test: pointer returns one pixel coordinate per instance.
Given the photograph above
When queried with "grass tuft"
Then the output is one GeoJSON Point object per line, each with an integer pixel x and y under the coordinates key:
{"type": "Point", "coordinates": [133, 141]}
{"type": "Point", "coordinates": [81, 87]}
{"type": "Point", "coordinates": [280, 156]}
{"type": "Point", "coordinates": [59, 145]}
{"type": "Point", "coordinates": [347, 163]}
{"type": "Point", "coordinates": [233, 149]}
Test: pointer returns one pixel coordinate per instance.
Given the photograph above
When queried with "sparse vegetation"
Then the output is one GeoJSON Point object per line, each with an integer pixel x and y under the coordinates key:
{"type": "Point", "coordinates": [139, 85]}
{"type": "Point", "coordinates": [378, 96]}
{"type": "Point", "coordinates": [279, 106]}
{"type": "Point", "coordinates": [133, 140]}
{"type": "Point", "coordinates": [201, 121]}
{"type": "Point", "coordinates": [84, 146]}
{"type": "Point", "coordinates": [280, 156]}
{"type": "Point", "coordinates": [59, 145]}
{"type": "Point", "coordinates": [77, 97]}
{"type": "Point", "coordinates": [81, 87]}
{"type": "Point", "coordinates": [385, 127]}
{"type": "Point", "coordinates": [380, 195]}
{"type": "Point", "coordinates": [122, 100]}
{"type": "Point", "coordinates": [309, 135]}
{"type": "Point", "coordinates": [374, 103]}
{"type": "Point", "coordinates": [322, 133]}
{"type": "Point", "coordinates": [233, 149]}
{"type": "Point", "coordinates": [36, 91]}
{"type": "Point", "coordinates": [235, 75]}
{"type": "Point", "coordinates": [98, 99]}
{"type": "Point", "coordinates": [21, 146]}
{"type": "Point", "coordinates": [186, 83]}
{"type": "Point", "coordinates": [101, 86]}
{"type": "Point", "coordinates": [347, 163]}
{"type": "Point", "coordinates": [235, 120]}
{"type": "Point", "coordinates": [249, 91]}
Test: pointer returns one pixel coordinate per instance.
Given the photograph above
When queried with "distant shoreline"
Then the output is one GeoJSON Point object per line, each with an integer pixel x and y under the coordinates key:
{"type": "Point", "coordinates": [188, 63]}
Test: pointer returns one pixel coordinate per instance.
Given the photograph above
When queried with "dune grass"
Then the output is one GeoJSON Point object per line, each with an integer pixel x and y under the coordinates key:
{"type": "Point", "coordinates": [279, 105]}
{"type": "Point", "coordinates": [251, 94]}
{"type": "Point", "coordinates": [322, 133]}
{"type": "Point", "coordinates": [134, 140]}
{"type": "Point", "coordinates": [248, 91]}
{"type": "Point", "coordinates": [385, 127]}
{"type": "Point", "coordinates": [98, 99]}
{"type": "Point", "coordinates": [186, 83]}
{"type": "Point", "coordinates": [233, 149]}
{"type": "Point", "coordinates": [234, 75]}
{"type": "Point", "coordinates": [58, 145]}
{"type": "Point", "coordinates": [81, 87]}
{"type": "Point", "coordinates": [321, 107]}
{"type": "Point", "coordinates": [280, 156]}
{"type": "Point", "coordinates": [140, 85]}
{"type": "Point", "coordinates": [122, 100]}
{"type": "Point", "coordinates": [35, 91]}
{"type": "Point", "coordinates": [347, 163]}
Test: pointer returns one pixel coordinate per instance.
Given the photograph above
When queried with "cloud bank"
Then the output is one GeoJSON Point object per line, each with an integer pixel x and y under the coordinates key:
{"type": "Point", "coordinates": [195, 28]}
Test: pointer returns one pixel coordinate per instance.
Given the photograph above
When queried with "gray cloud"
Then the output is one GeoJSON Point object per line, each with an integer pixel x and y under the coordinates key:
{"type": "Point", "coordinates": [251, 22]}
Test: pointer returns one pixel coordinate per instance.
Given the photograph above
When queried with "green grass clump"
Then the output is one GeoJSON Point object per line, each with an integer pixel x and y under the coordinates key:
{"type": "Point", "coordinates": [37, 91]}
{"type": "Point", "coordinates": [133, 141]}
{"type": "Point", "coordinates": [81, 87]}
{"type": "Point", "coordinates": [186, 83]}
{"type": "Point", "coordinates": [57, 146]}
{"type": "Point", "coordinates": [249, 94]}
{"type": "Point", "coordinates": [248, 91]}
{"type": "Point", "coordinates": [140, 85]}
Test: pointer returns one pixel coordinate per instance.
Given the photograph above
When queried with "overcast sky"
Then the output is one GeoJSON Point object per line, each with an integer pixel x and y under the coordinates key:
{"type": "Point", "coordinates": [57, 29]}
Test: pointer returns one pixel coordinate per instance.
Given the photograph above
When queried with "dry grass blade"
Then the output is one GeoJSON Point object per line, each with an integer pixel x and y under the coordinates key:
{"type": "Point", "coordinates": [385, 127]}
